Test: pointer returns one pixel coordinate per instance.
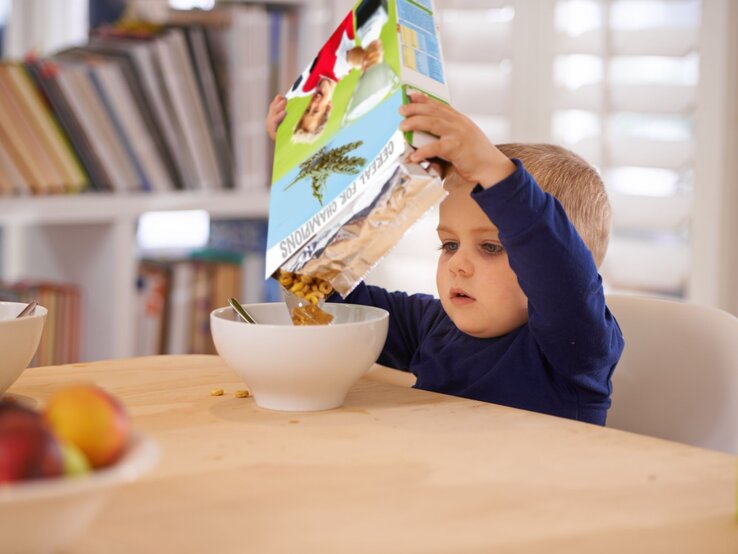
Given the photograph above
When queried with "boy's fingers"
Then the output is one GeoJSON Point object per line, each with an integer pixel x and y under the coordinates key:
{"type": "Point", "coordinates": [417, 96]}
{"type": "Point", "coordinates": [428, 151]}
{"type": "Point", "coordinates": [423, 108]}
{"type": "Point", "coordinates": [432, 125]}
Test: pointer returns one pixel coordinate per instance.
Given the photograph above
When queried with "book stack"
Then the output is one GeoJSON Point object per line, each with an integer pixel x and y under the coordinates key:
{"type": "Point", "coordinates": [60, 339]}
{"type": "Point", "coordinates": [149, 108]}
{"type": "Point", "coordinates": [175, 298]}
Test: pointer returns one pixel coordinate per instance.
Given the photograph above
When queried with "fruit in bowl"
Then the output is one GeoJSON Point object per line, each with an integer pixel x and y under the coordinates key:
{"type": "Point", "coordinates": [299, 368]}
{"type": "Point", "coordinates": [19, 338]}
{"type": "Point", "coordinates": [28, 449]}
{"type": "Point", "coordinates": [53, 479]}
{"type": "Point", "coordinates": [91, 419]}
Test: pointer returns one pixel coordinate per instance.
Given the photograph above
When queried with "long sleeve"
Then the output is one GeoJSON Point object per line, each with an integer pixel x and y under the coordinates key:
{"type": "Point", "coordinates": [410, 317]}
{"type": "Point", "coordinates": [567, 313]}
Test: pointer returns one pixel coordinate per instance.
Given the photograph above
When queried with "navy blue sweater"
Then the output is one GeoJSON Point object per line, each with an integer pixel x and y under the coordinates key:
{"type": "Point", "coordinates": [559, 362]}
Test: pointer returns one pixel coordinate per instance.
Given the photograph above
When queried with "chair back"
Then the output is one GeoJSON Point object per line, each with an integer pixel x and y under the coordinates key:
{"type": "Point", "coordinates": [678, 376]}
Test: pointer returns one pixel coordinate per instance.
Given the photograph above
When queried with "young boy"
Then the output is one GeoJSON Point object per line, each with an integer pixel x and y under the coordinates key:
{"type": "Point", "coordinates": [521, 319]}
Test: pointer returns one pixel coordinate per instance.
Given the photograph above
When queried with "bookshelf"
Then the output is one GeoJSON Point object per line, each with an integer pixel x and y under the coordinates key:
{"type": "Point", "coordinates": [89, 239]}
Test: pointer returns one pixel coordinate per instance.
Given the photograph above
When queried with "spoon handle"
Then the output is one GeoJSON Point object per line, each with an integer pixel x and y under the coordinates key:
{"type": "Point", "coordinates": [28, 310]}
{"type": "Point", "coordinates": [236, 305]}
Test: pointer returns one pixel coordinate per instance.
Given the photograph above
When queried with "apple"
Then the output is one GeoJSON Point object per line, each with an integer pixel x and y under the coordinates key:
{"type": "Point", "coordinates": [28, 450]}
{"type": "Point", "coordinates": [74, 460]}
{"type": "Point", "coordinates": [91, 419]}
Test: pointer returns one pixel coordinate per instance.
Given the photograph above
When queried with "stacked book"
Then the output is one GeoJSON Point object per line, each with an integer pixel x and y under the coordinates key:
{"type": "Point", "coordinates": [149, 108]}
{"type": "Point", "coordinates": [60, 340]}
{"type": "Point", "coordinates": [175, 298]}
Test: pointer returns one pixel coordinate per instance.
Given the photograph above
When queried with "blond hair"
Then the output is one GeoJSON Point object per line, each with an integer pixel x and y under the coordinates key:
{"type": "Point", "coordinates": [575, 184]}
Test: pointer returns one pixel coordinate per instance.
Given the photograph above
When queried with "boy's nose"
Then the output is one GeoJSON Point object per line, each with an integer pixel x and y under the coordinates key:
{"type": "Point", "coordinates": [460, 264]}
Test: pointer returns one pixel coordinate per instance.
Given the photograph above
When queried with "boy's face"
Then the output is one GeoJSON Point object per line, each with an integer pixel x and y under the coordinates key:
{"type": "Point", "coordinates": [320, 102]}
{"type": "Point", "coordinates": [478, 289]}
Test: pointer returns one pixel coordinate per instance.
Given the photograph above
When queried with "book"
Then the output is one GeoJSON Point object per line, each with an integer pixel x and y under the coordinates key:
{"type": "Point", "coordinates": [179, 78]}
{"type": "Point", "coordinates": [152, 295]}
{"type": "Point", "coordinates": [246, 238]}
{"type": "Point", "coordinates": [45, 74]}
{"type": "Point", "coordinates": [41, 118]}
{"type": "Point", "coordinates": [88, 108]}
{"type": "Point", "coordinates": [212, 100]}
{"type": "Point", "coordinates": [44, 175]}
{"type": "Point", "coordinates": [12, 181]}
{"type": "Point", "coordinates": [114, 88]}
{"type": "Point", "coordinates": [60, 339]}
{"type": "Point", "coordinates": [343, 192]}
{"type": "Point", "coordinates": [142, 52]}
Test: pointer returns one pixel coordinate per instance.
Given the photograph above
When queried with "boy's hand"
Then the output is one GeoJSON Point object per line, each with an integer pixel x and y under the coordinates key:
{"type": "Point", "coordinates": [275, 115]}
{"type": "Point", "coordinates": [460, 141]}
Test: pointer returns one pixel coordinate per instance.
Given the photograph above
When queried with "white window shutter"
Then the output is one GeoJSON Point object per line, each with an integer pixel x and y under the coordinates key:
{"type": "Point", "coordinates": [626, 76]}
{"type": "Point", "coordinates": [619, 82]}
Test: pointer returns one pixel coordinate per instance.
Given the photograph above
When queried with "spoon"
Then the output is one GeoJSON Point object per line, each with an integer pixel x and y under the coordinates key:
{"type": "Point", "coordinates": [28, 310]}
{"type": "Point", "coordinates": [240, 310]}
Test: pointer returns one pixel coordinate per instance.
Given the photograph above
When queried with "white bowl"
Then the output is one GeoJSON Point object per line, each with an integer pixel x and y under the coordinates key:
{"type": "Point", "coordinates": [48, 514]}
{"type": "Point", "coordinates": [300, 368]}
{"type": "Point", "coordinates": [19, 340]}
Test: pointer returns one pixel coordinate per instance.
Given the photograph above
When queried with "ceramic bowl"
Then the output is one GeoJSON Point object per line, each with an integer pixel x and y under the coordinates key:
{"type": "Point", "coordinates": [300, 368]}
{"type": "Point", "coordinates": [19, 340]}
{"type": "Point", "coordinates": [46, 515]}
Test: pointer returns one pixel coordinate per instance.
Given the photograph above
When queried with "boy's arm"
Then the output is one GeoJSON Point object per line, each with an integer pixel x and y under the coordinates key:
{"type": "Point", "coordinates": [410, 316]}
{"type": "Point", "coordinates": [566, 302]}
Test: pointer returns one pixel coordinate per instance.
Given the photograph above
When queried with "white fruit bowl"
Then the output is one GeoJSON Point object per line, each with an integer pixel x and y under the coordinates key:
{"type": "Point", "coordinates": [45, 515]}
{"type": "Point", "coordinates": [300, 368]}
{"type": "Point", "coordinates": [19, 340]}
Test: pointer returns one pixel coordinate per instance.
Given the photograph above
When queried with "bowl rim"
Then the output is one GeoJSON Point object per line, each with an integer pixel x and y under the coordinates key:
{"type": "Point", "coordinates": [40, 312]}
{"type": "Point", "coordinates": [141, 455]}
{"type": "Point", "coordinates": [381, 314]}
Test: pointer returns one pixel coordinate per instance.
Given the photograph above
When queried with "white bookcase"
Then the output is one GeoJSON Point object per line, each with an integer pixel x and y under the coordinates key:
{"type": "Point", "coordinates": [90, 240]}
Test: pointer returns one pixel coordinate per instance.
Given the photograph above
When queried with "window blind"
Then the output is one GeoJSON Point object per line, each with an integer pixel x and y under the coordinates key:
{"type": "Point", "coordinates": [615, 81]}
{"type": "Point", "coordinates": [625, 78]}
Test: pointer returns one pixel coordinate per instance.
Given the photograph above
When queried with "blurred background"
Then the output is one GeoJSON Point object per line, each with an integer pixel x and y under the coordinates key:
{"type": "Point", "coordinates": [645, 90]}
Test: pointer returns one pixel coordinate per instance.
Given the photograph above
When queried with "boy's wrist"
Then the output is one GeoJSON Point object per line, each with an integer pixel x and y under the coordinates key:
{"type": "Point", "coordinates": [495, 170]}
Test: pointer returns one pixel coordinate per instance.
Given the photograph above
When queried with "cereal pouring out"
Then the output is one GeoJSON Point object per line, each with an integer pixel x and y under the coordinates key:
{"type": "Point", "coordinates": [304, 296]}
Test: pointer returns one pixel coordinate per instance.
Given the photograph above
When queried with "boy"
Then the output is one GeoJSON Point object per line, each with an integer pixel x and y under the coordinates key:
{"type": "Point", "coordinates": [521, 319]}
{"type": "Point", "coordinates": [338, 56]}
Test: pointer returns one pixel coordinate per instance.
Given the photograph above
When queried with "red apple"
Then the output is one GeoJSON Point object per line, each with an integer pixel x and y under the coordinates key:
{"type": "Point", "coordinates": [92, 419]}
{"type": "Point", "coordinates": [28, 450]}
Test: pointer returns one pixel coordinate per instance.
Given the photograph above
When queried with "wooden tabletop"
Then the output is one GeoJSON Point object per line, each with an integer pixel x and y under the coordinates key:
{"type": "Point", "coordinates": [394, 470]}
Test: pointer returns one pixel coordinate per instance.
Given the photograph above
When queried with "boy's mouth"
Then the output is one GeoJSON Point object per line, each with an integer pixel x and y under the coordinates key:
{"type": "Point", "coordinates": [459, 296]}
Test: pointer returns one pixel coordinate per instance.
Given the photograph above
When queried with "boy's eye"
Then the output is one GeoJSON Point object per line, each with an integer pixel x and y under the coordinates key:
{"type": "Point", "coordinates": [449, 246]}
{"type": "Point", "coordinates": [493, 248]}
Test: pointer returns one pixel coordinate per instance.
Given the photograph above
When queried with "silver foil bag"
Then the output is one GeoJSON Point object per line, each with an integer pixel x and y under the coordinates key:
{"type": "Point", "coordinates": [344, 252]}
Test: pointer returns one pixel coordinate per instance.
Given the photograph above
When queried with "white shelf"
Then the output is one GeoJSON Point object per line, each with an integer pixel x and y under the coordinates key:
{"type": "Point", "coordinates": [90, 240]}
{"type": "Point", "coordinates": [104, 208]}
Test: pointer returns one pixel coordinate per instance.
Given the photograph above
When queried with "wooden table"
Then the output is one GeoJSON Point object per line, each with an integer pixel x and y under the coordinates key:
{"type": "Point", "coordinates": [394, 470]}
